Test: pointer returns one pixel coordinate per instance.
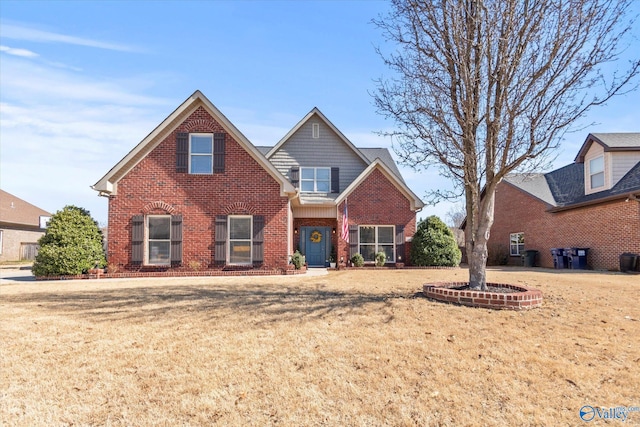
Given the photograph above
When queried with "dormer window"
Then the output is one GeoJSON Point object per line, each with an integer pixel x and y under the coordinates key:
{"type": "Point", "coordinates": [596, 172]}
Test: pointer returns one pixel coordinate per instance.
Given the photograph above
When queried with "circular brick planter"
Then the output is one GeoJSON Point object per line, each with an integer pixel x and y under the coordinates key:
{"type": "Point", "coordinates": [523, 298]}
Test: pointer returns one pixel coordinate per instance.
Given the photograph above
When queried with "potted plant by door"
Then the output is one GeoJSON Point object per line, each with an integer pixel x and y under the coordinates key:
{"type": "Point", "coordinates": [332, 257]}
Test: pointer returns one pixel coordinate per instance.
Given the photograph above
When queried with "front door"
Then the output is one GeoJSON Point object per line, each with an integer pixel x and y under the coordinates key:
{"type": "Point", "coordinates": [316, 241]}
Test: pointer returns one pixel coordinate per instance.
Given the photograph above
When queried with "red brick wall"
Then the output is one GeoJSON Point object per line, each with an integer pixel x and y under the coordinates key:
{"type": "Point", "coordinates": [608, 229]}
{"type": "Point", "coordinates": [244, 188]}
{"type": "Point", "coordinates": [376, 201]}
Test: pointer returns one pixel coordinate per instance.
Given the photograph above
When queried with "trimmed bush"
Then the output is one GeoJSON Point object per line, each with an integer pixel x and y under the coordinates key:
{"type": "Point", "coordinates": [72, 244]}
{"type": "Point", "coordinates": [357, 260]}
{"type": "Point", "coordinates": [298, 260]}
{"type": "Point", "coordinates": [434, 244]}
{"type": "Point", "coordinates": [381, 259]}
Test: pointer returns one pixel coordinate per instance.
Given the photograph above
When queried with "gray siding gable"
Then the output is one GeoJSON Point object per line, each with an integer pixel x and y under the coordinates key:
{"type": "Point", "coordinates": [328, 150]}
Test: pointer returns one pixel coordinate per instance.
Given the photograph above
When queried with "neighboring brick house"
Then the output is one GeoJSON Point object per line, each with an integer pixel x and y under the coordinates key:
{"type": "Point", "coordinates": [21, 225]}
{"type": "Point", "coordinates": [592, 203]}
{"type": "Point", "coordinates": [196, 193]}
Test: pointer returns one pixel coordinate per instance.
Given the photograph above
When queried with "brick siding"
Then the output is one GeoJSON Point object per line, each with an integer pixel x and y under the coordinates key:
{"type": "Point", "coordinates": [608, 229]}
{"type": "Point", "coordinates": [154, 187]}
{"type": "Point", "coordinates": [376, 201]}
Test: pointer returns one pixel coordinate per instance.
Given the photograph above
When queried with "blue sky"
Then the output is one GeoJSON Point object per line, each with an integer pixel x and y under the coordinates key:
{"type": "Point", "coordinates": [81, 83]}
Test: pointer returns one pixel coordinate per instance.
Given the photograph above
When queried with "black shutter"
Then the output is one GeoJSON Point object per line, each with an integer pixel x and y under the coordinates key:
{"type": "Point", "coordinates": [176, 239]}
{"type": "Point", "coordinates": [258, 240]}
{"type": "Point", "coordinates": [353, 240]}
{"type": "Point", "coordinates": [400, 243]}
{"type": "Point", "coordinates": [220, 256]}
{"type": "Point", "coordinates": [294, 175]}
{"type": "Point", "coordinates": [335, 180]}
{"type": "Point", "coordinates": [182, 152]}
{"type": "Point", "coordinates": [218, 152]}
{"type": "Point", "coordinates": [137, 239]}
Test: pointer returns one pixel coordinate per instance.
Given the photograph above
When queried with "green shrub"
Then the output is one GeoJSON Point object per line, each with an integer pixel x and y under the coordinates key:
{"type": "Point", "coordinates": [434, 244]}
{"type": "Point", "coordinates": [72, 244]}
{"type": "Point", "coordinates": [298, 260]}
{"type": "Point", "coordinates": [357, 260]}
{"type": "Point", "coordinates": [381, 259]}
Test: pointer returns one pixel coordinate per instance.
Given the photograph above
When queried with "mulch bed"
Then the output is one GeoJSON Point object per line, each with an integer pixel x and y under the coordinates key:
{"type": "Point", "coordinates": [496, 289]}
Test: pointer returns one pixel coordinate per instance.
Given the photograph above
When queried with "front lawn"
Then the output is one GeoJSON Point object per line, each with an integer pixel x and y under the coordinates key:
{"type": "Point", "coordinates": [357, 347]}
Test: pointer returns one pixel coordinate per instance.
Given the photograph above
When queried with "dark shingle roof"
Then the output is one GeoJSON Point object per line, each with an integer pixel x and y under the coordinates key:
{"type": "Point", "coordinates": [384, 155]}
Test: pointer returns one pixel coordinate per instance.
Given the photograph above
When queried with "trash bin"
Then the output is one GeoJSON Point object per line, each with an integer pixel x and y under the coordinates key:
{"type": "Point", "coordinates": [577, 258]}
{"type": "Point", "coordinates": [559, 258]}
{"type": "Point", "coordinates": [529, 258]}
{"type": "Point", "coordinates": [628, 262]}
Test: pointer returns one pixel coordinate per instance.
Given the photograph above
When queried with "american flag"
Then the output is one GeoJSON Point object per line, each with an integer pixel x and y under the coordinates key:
{"type": "Point", "coordinates": [345, 224]}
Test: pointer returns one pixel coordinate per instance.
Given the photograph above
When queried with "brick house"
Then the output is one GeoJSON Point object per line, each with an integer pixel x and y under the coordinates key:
{"type": "Point", "coordinates": [196, 193]}
{"type": "Point", "coordinates": [21, 226]}
{"type": "Point", "coordinates": [592, 203]}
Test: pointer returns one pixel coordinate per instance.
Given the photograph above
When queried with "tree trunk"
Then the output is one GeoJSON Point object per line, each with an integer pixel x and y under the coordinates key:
{"type": "Point", "coordinates": [477, 250]}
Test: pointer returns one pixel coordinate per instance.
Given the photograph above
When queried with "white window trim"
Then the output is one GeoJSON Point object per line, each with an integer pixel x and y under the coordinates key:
{"type": "Point", "coordinates": [199, 154]}
{"type": "Point", "coordinates": [591, 173]}
{"type": "Point", "coordinates": [315, 179]}
{"type": "Point", "coordinates": [147, 251]}
{"type": "Point", "coordinates": [250, 240]}
{"type": "Point", "coordinates": [517, 244]}
{"type": "Point", "coordinates": [315, 130]}
{"type": "Point", "coordinates": [376, 244]}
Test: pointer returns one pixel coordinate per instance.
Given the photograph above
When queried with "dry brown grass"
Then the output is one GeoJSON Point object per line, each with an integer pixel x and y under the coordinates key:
{"type": "Point", "coordinates": [357, 348]}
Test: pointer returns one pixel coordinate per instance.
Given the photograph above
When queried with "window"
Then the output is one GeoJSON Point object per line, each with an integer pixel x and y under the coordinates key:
{"type": "Point", "coordinates": [596, 172]}
{"type": "Point", "coordinates": [315, 131]}
{"type": "Point", "coordinates": [315, 180]}
{"type": "Point", "coordinates": [158, 239]}
{"type": "Point", "coordinates": [201, 153]}
{"type": "Point", "coordinates": [1, 231]}
{"type": "Point", "coordinates": [376, 238]}
{"type": "Point", "coordinates": [240, 240]}
{"type": "Point", "coordinates": [516, 244]}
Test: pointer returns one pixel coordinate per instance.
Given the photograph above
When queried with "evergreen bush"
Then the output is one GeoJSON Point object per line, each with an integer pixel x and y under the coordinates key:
{"type": "Point", "coordinates": [72, 244]}
{"type": "Point", "coordinates": [434, 244]}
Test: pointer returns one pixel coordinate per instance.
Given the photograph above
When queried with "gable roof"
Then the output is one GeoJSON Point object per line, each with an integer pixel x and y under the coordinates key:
{"type": "Point", "coordinates": [415, 202]}
{"type": "Point", "coordinates": [385, 156]}
{"type": "Point", "coordinates": [14, 210]}
{"type": "Point", "coordinates": [563, 188]}
{"type": "Point", "coordinates": [534, 184]}
{"type": "Point", "coordinates": [108, 183]}
{"type": "Point", "coordinates": [610, 142]}
{"type": "Point", "coordinates": [316, 112]}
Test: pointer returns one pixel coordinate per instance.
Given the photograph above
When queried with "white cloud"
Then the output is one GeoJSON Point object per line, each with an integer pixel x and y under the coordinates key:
{"type": "Point", "coordinates": [18, 52]}
{"type": "Point", "coordinates": [62, 131]}
{"type": "Point", "coordinates": [18, 32]}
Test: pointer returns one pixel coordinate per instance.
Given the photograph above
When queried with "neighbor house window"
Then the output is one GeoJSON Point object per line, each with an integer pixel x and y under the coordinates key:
{"type": "Point", "coordinates": [315, 180]}
{"type": "Point", "coordinates": [376, 238]}
{"type": "Point", "coordinates": [596, 172]}
{"type": "Point", "coordinates": [158, 239]}
{"type": "Point", "coordinates": [201, 153]}
{"type": "Point", "coordinates": [240, 240]}
{"type": "Point", "coordinates": [516, 244]}
{"type": "Point", "coordinates": [315, 130]}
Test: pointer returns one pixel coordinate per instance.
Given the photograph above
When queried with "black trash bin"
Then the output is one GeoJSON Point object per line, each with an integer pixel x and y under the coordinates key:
{"type": "Point", "coordinates": [628, 262]}
{"type": "Point", "coordinates": [559, 258]}
{"type": "Point", "coordinates": [529, 258]}
{"type": "Point", "coordinates": [577, 258]}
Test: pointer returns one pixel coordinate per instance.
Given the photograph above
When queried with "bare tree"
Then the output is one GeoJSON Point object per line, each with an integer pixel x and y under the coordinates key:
{"type": "Point", "coordinates": [456, 215]}
{"type": "Point", "coordinates": [485, 87]}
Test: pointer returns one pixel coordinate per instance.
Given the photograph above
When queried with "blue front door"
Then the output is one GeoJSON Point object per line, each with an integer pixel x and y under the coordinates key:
{"type": "Point", "coordinates": [316, 239]}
